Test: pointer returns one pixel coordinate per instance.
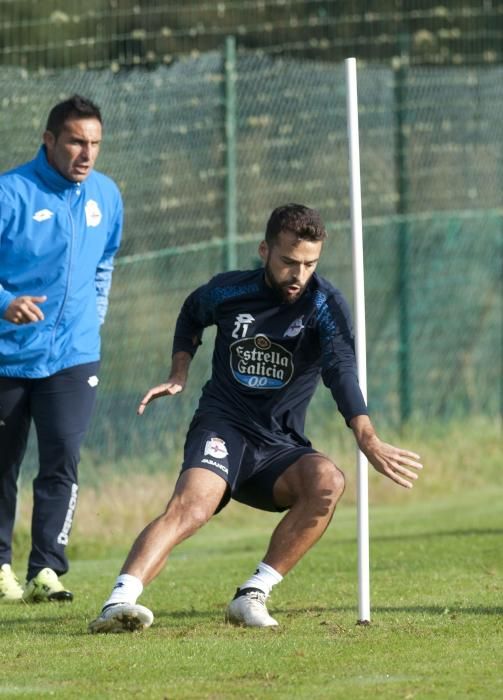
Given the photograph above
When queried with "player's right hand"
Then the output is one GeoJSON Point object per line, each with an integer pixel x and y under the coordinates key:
{"type": "Point", "coordinates": [170, 388]}
{"type": "Point", "coordinates": [25, 310]}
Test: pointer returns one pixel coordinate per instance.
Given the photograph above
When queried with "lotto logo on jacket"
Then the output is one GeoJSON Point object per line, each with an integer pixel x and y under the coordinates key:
{"type": "Point", "coordinates": [260, 364]}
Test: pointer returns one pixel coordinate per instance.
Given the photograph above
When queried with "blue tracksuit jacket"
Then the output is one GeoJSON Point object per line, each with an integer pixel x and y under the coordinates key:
{"type": "Point", "coordinates": [57, 238]}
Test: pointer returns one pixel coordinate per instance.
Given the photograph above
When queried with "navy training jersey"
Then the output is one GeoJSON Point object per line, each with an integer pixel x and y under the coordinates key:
{"type": "Point", "coordinates": [270, 354]}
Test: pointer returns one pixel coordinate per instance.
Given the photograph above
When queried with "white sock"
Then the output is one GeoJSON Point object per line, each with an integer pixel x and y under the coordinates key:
{"type": "Point", "coordinates": [264, 578]}
{"type": "Point", "coordinates": [126, 590]}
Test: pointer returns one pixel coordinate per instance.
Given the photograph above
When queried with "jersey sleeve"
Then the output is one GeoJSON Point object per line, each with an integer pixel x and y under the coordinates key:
{"type": "Point", "coordinates": [197, 313]}
{"type": "Point", "coordinates": [103, 278]}
{"type": "Point", "coordinates": [339, 372]}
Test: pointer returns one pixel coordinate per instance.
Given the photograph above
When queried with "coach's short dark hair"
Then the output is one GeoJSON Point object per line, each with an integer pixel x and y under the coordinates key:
{"type": "Point", "coordinates": [302, 221]}
{"type": "Point", "coordinates": [76, 107]}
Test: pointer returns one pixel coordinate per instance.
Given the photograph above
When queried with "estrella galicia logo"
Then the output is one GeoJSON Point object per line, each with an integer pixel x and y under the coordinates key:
{"type": "Point", "coordinates": [260, 364]}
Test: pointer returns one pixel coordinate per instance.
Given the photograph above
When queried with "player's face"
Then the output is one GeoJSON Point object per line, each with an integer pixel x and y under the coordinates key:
{"type": "Point", "coordinates": [289, 264]}
{"type": "Point", "coordinates": [74, 151]}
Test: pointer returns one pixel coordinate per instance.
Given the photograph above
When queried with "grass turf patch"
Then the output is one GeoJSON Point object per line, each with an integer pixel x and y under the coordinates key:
{"type": "Point", "coordinates": [436, 587]}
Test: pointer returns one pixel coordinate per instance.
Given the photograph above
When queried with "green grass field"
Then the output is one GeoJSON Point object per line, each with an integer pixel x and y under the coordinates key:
{"type": "Point", "coordinates": [437, 607]}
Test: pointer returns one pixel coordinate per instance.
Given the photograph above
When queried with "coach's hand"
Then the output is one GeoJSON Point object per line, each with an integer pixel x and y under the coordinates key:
{"type": "Point", "coordinates": [25, 310]}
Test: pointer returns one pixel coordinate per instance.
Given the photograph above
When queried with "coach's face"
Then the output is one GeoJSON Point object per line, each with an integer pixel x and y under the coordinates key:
{"type": "Point", "coordinates": [289, 264]}
{"type": "Point", "coordinates": [74, 150]}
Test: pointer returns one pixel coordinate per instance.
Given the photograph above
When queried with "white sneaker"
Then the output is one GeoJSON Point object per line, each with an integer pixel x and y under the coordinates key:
{"type": "Point", "coordinates": [248, 608]}
{"type": "Point", "coordinates": [10, 588]}
{"type": "Point", "coordinates": [122, 617]}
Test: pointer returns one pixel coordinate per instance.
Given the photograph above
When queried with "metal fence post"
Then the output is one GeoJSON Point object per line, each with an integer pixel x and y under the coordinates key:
{"type": "Point", "coordinates": [403, 275]}
{"type": "Point", "coordinates": [231, 169]}
{"type": "Point", "coordinates": [501, 318]}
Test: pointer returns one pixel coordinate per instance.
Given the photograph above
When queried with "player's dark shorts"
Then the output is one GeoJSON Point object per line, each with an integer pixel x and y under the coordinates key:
{"type": "Point", "coordinates": [249, 464]}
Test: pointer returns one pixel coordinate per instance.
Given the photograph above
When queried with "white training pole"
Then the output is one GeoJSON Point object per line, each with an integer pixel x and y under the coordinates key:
{"type": "Point", "coordinates": [360, 341]}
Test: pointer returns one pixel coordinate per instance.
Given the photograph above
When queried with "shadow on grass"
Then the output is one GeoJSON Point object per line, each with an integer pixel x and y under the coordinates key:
{"type": "Point", "coordinates": [497, 532]}
{"type": "Point", "coordinates": [240, 548]}
{"type": "Point", "coordinates": [45, 626]}
{"type": "Point", "coordinates": [441, 610]}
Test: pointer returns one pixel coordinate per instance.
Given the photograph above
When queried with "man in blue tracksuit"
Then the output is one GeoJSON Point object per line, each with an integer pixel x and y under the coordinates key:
{"type": "Point", "coordinates": [279, 330]}
{"type": "Point", "coordinates": [60, 228]}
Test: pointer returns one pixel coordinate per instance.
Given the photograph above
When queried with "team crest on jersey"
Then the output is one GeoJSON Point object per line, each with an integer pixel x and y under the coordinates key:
{"type": "Point", "coordinates": [216, 447]}
{"type": "Point", "coordinates": [294, 328]}
{"type": "Point", "coordinates": [259, 363]}
{"type": "Point", "coordinates": [93, 213]}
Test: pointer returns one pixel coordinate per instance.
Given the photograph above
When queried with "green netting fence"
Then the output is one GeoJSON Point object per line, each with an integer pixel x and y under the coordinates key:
{"type": "Point", "coordinates": [204, 149]}
{"type": "Point", "coordinates": [113, 33]}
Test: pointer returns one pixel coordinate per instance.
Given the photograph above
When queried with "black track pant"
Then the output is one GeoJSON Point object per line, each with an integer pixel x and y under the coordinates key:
{"type": "Point", "coordinates": [61, 407]}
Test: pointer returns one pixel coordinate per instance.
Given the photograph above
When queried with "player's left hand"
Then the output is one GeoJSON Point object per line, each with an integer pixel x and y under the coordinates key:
{"type": "Point", "coordinates": [394, 462]}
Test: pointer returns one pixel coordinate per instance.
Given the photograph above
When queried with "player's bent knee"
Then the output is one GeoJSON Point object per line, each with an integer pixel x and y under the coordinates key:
{"type": "Point", "coordinates": [328, 478]}
{"type": "Point", "coordinates": [188, 516]}
{"type": "Point", "coordinates": [312, 478]}
{"type": "Point", "coordinates": [197, 515]}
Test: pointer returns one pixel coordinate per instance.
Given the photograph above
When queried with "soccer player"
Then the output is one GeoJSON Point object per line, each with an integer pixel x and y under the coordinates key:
{"type": "Point", "coordinates": [60, 227]}
{"type": "Point", "coordinates": [278, 330]}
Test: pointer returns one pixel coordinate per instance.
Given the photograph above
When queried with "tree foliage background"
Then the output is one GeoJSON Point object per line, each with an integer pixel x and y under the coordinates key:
{"type": "Point", "coordinates": [125, 33]}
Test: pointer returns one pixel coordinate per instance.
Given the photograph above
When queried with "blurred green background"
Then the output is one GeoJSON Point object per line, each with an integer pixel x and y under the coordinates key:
{"type": "Point", "coordinates": [215, 113]}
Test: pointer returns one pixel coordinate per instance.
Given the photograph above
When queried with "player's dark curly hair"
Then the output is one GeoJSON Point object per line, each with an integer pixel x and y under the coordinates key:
{"type": "Point", "coordinates": [302, 221]}
{"type": "Point", "coordinates": [76, 107]}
